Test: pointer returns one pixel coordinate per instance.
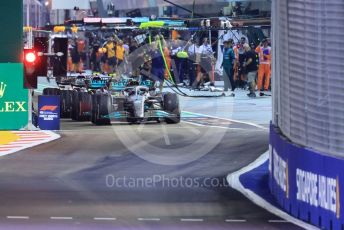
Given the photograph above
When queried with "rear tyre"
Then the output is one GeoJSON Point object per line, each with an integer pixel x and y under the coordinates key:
{"type": "Point", "coordinates": [83, 106]}
{"type": "Point", "coordinates": [51, 92]}
{"type": "Point", "coordinates": [75, 103]}
{"type": "Point", "coordinates": [93, 108]}
{"type": "Point", "coordinates": [46, 91]}
{"type": "Point", "coordinates": [171, 105]}
{"type": "Point", "coordinates": [66, 103]}
{"type": "Point", "coordinates": [132, 120]}
{"type": "Point", "coordinates": [102, 110]}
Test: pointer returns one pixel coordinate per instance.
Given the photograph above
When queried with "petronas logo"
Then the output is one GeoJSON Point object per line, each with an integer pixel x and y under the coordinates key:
{"type": "Point", "coordinates": [2, 89]}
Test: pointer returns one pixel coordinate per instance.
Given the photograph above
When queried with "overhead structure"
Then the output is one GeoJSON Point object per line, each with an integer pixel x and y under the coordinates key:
{"type": "Point", "coordinates": [70, 4]}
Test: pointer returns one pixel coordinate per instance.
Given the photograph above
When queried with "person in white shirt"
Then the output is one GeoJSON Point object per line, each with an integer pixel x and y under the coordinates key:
{"type": "Point", "coordinates": [206, 60]}
{"type": "Point", "coordinates": [192, 64]}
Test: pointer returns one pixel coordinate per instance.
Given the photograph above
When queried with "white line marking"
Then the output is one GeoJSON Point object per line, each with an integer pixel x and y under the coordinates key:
{"type": "Point", "coordinates": [235, 221]}
{"type": "Point", "coordinates": [234, 182]}
{"type": "Point", "coordinates": [61, 218]}
{"type": "Point", "coordinates": [212, 126]}
{"type": "Point", "coordinates": [192, 220]}
{"type": "Point", "coordinates": [28, 132]}
{"type": "Point", "coordinates": [278, 221]}
{"type": "Point", "coordinates": [104, 218]}
{"type": "Point", "coordinates": [18, 217]}
{"type": "Point", "coordinates": [10, 146]}
{"type": "Point", "coordinates": [242, 122]}
{"type": "Point", "coordinates": [148, 219]}
{"type": "Point", "coordinates": [89, 131]}
{"type": "Point", "coordinates": [194, 131]}
{"type": "Point", "coordinates": [167, 139]}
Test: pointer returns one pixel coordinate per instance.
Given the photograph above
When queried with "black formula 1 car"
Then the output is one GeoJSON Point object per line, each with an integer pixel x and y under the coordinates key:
{"type": "Point", "coordinates": [75, 95]}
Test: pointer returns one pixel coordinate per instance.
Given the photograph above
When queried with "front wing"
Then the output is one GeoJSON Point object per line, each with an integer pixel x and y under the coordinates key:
{"type": "Point", "coordinates": [148, 115]}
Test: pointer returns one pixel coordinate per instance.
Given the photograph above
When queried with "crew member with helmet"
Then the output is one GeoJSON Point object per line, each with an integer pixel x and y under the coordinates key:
{"type": "Point", "coordinates": [179, 62]}
{"type": "Point", "coordinates": [167, 55]}
{"type": "Point", "coordinates": [103, 59]}
{"type": "Point", "coordinates": [120, 56]}
{"type": "Point", "coordinates": [95, 58]}
{"type": "Point", "coordinates": [70, 67]}
{"type": "Point", "coordinates": [81, 45]}
{"type": "Point", "coordinates": [75, 56]}
{"type": "Point", "coordinates": [111, 54]}
{"type": "Point", "coordinates": [158, 64]}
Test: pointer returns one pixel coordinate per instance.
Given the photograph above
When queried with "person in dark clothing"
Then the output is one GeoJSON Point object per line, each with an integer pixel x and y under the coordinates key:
{"type": "Point", "coordinates": [253, 48]}
{"type": "Point", "coordinates": [158, 66]}
{"type": "Point", "coordinates": [228, 65]}
{"type": "Point", "coordinates": [179, 72]}
{"type": "Point", "coordinates": [240, 56]}
{"type": "Point", "coordinates": [251, 68]}
{"type": "Point", "coordinates": [75, 57]}
{"type": "Point", "coordinates": [95, 58]}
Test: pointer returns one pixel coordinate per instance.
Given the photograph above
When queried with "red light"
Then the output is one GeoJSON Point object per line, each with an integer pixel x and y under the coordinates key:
{"type": "Point", "coordinates": [30, 57]}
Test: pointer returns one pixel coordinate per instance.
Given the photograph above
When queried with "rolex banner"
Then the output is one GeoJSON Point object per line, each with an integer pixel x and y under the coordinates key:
{"type": "Point", "coordinates": [13, 97]}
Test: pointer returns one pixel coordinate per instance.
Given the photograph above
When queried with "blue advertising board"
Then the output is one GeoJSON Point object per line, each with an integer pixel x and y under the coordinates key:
{"type": "Point", "coordinates": [306, 184]}
{"type": "Point", "coordinates": [49, 112]}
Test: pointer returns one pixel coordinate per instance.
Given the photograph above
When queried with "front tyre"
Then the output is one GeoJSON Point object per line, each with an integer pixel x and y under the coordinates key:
{"type": "Point", "coordinates": [171, 105]}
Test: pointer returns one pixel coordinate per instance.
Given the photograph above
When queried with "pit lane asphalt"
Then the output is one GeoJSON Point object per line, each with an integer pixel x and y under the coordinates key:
{"type": "Point", "coordinates": [63, 184]}
{"type": "Point", "coordinates": [67, 179]}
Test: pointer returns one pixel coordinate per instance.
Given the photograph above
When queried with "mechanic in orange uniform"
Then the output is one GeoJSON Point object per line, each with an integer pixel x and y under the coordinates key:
{"type": "Point", "coordinates": [69, 56]}
{"type": "Point", "coordinates": [81, 45]}
{"type": "Point", "coordinates": [167, 56]}
{"type": "Point", "coordinates": [110, 55]}
{"type": "Point", "coordinates": [264, 51]}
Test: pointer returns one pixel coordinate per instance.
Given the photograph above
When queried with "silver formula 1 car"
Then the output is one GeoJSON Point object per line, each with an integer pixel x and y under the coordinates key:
{"type": "Point", "coordinates": [134, 103]}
